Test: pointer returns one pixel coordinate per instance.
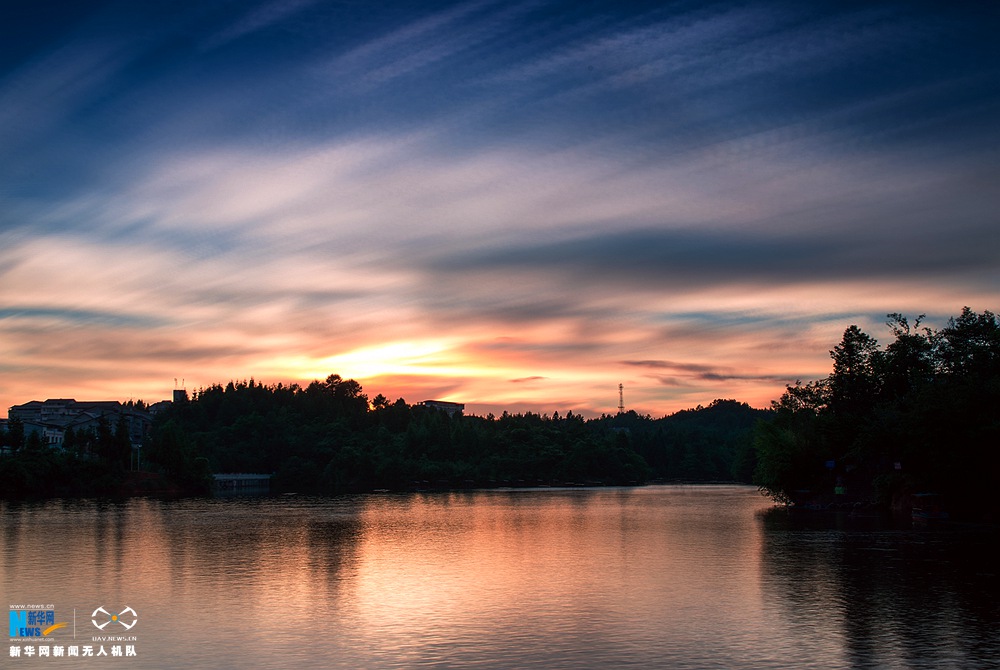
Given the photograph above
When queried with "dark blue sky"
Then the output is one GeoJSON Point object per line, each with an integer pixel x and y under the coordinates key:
{"type": "Point", "coordinates": [445, 199]}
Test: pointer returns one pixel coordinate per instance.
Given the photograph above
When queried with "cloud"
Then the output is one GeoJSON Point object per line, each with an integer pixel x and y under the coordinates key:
{"type": "Point", "coordinates": [702, 372]}
{"type": "Point", "coordinates": [79, 317]}
{"type": "Point", "coordinates": [648, 260]}
{"type": "Point", "coordinates": [257, 19]}
{"type": "Point", "coordinates": [414, 46]}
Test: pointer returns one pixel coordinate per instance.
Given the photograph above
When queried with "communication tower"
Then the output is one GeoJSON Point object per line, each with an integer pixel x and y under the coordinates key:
{"type": "Point", "coordinates": [621, 399]}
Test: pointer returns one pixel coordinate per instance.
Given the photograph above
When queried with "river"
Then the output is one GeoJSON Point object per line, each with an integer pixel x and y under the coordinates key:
{"type": "Point", "coordinates": [648, 577]}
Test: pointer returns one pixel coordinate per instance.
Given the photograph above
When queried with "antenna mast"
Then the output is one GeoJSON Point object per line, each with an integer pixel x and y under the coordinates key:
{"type": "Point", "coordinates": [621, 399]}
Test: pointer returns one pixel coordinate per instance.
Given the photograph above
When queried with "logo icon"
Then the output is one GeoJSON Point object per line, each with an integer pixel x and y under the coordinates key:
{"type": "Point", "coordinates": [33, 623]}
{"type": "Point", "coordinates": [127, 618]}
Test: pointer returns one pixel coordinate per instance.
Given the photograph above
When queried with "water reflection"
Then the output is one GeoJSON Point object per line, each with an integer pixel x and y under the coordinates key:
{"type": "Point", "coordinates": [889, 596]}
{"type": "Point", "coordinates": [264, 575]}
{"type": "Point", "coordinates": [680, 577]}
{"type": "Point", "coordinates": [563, 578]}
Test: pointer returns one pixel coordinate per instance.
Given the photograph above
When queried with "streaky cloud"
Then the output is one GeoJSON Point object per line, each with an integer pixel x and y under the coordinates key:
{"type": "Point", "coordinates": [259, 18]}
{"type": "Point", "coordinates": [653, 259]}
{"type": "Point", "coordinates": [71, 317]}
{"type": "Point", "coordinates": [524, 380]}
{"type": "Point", "coordinates": [701, 371]}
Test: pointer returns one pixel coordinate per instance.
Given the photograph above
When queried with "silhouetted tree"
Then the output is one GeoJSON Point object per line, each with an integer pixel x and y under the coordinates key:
{"type": "Point", "coordinates": [14, 437]}
{"type": "Point", "coordinates": [918, 416]}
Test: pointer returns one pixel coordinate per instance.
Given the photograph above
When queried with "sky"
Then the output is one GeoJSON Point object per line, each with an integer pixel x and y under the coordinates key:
{"type": "Point", "coordinates": [514, 205]}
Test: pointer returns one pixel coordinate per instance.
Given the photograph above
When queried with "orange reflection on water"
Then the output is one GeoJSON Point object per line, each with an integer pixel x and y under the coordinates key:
{"type": "Point", "coordinates": [551, 566]}
{"type": "Point", "coordinates": [555, 578]}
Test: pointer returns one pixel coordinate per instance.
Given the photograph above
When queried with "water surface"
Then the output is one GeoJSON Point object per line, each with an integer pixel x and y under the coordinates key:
{"type": "Point", "coordinates": [651, 577]}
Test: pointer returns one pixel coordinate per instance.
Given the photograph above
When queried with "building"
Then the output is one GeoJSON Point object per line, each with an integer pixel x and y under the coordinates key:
{"type": "Point", "coordinates": [52, 419]}
{"type": "Point", "coordinates": [58, 410]}
{"type": "Point", "coordinates": [450, 408]}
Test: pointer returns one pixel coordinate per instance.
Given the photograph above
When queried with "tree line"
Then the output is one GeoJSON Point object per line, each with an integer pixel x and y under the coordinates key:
{"type": "Point", "coordinates": [328, 437]}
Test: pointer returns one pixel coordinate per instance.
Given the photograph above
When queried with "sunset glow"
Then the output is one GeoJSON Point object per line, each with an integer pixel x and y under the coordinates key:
{"type": "Point", "coordinates": [395, 358]}
{"type": "Point", "coordinates": [517, 207]}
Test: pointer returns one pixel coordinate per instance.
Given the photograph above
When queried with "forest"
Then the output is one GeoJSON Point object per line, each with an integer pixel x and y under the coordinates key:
{"type": "Point", "coordinates": [919, 416]}
{"type": "Point", "coordinates": [328, 437]}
